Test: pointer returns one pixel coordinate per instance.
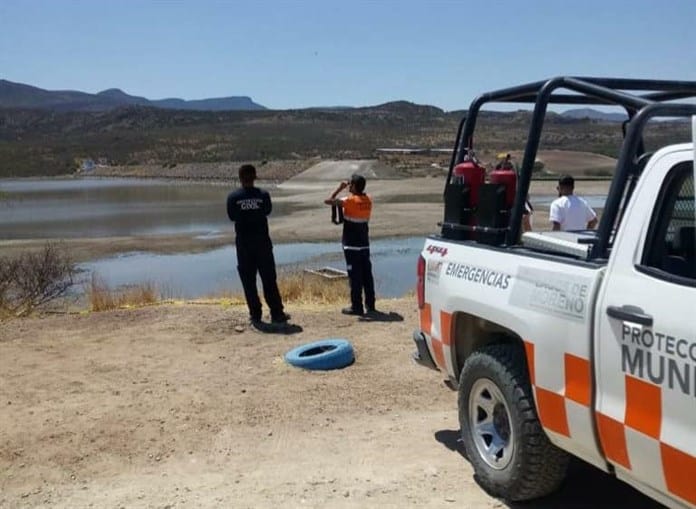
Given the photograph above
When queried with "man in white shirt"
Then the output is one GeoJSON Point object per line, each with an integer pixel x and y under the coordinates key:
{"type": "Point", "coordinates": [569, 212]}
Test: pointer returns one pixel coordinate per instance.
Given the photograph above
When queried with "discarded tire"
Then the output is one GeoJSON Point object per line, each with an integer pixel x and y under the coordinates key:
{"type": "Point", "coordinates": [322, 355]}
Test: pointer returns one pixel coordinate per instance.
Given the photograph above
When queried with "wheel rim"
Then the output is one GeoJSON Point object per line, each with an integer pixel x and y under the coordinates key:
{"type": "Point", "coordinates": [489, 421]}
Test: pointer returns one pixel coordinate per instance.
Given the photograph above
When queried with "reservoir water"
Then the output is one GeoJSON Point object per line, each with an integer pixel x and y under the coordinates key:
{"type": "Point", "coordinates": [74, 208]}
{"type": "Point", "coordinates": [193, 275]}
{"type": "Point", "coordinates": [120, 207]}
{"type": "Point", "coordinates": [86, 208]}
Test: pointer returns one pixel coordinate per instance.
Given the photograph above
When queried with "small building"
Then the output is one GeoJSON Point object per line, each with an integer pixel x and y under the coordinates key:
{"type": "Point", "coordinates": [87, 165]}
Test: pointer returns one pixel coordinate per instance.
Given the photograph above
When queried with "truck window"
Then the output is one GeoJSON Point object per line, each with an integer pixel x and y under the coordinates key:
{"type": "Point", "coordinates": [670, 250]}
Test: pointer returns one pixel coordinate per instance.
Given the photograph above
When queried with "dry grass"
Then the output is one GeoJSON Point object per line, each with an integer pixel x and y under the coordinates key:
{"type": "Point", "coordinates": [102, 297]}
{"type": "Point", "coordinates": [295, 287]}
{"type": "Point", "coordinates": [303, 288]}
{"type": "Point", "coordinates": [298, 288]}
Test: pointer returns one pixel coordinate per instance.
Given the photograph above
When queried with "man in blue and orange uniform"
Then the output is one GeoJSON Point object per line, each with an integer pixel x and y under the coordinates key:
{"type": "Point", "coordinates": [356, 244]}
{"type": "Point", "coordinates": [249, 207]}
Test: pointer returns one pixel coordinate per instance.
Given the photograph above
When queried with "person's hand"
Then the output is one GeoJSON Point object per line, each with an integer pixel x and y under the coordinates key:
{"type": "Point", "coordinates": [340, 188]}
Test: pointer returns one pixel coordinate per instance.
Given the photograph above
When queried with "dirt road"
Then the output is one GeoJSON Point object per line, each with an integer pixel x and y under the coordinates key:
{"type": "Point", "coordinates": [185, 406]}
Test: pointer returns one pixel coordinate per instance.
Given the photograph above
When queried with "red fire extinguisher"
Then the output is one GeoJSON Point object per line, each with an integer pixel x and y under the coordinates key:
{"type": "Point", "coordinates": [471, 173]}
{"type": "Point", "coordinates": [508, 177]}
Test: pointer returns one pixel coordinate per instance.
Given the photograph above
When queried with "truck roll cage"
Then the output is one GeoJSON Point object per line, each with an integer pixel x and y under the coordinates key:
{"type": "Point", "coordinates": [642, 99]}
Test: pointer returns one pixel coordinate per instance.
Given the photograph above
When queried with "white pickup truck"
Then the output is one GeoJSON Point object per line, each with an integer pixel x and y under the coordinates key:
{"type": "Point", "coordinates": [579, 343]}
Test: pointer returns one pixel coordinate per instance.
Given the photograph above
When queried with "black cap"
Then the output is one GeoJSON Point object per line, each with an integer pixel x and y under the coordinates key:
{"type": "Point", "coordinates": [566, 181]}
{"type": "Point", "coordinates": [359, 182]}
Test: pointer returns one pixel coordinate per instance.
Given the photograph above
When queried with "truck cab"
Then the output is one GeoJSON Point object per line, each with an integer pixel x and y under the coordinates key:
{"type": "Point", "coordinates": [580, 343]}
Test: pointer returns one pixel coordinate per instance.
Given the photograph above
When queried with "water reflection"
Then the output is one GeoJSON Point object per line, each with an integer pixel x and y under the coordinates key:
{"type": "Point", "coordinates": [199, 274]}
{"type": "Point", "coordinates": [121, 207]}
{"type": "Point", "coordinates": [114, 207]}
{"type": "Point", "coordinates": [81, 208]}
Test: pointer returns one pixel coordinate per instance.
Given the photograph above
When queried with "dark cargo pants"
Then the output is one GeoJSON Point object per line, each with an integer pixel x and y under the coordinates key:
{"type": "Point", "coordinates": [255, 256]}
{"type": "Point", "coordinates": [360, 276]}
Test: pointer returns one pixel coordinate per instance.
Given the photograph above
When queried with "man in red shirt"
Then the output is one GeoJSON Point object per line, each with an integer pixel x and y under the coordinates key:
{"type": "Point", "coordinates": [356, 244]}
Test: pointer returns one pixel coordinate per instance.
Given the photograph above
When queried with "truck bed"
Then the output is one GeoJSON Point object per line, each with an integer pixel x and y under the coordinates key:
{"type": "Point", "coordinates": [577, 244]}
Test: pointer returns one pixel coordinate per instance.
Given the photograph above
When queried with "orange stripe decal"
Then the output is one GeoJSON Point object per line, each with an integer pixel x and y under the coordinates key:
{"type": "Point", "coordinates": [643, 407]}
{"type": "Point", "coordinates": [437, 351]}
{"type": "Point", "coordinates": [446, 327]}
{"type": "Point", "coordinates": [529, 349]}
{"type": "Point", "coordinates": [613, 439]}
{"type": "Point", "coordinates": [552, 411]}
{"type": "Point", "coordinates": [679, 469]}
{"type": "Point", "coordinates": [578, 379]}
{"type": "Point", "coordinates": [426, 319]}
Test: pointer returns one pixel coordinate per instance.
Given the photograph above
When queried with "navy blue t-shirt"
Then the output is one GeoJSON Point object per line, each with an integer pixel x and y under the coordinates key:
{"type": "Point", "coordinates": [248, 208]}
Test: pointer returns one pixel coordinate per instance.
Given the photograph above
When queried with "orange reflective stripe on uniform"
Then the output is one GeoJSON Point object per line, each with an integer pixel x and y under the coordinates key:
{"type": "Point", "coordinates": [357, 208]}
{"type": "Point", "coordinates": [356, 214]}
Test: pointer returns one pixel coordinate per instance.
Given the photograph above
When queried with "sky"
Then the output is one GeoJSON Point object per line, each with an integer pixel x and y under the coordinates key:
{"type": "Point", "coordinates": [306, 53]}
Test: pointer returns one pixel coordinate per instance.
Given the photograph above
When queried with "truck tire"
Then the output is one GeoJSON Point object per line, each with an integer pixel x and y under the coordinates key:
{"type": "Point", "coordinates": [503, 439]}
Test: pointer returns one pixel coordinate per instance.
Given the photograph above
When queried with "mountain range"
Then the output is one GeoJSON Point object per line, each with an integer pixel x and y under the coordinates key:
{"type": "Point", "coordinates": [591, 114]}
{"type": "Point", "coordinates": [20, 95]}
{"type": "Point", "coordinates": [40, 141]}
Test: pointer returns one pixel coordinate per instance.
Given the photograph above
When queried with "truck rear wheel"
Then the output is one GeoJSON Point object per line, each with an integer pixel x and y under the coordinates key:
{"type": "Point", "coordinates": [511, 455]}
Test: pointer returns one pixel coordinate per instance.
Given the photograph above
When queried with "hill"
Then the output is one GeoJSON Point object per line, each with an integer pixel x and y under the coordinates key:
{"type": "Point", "coordinates": [591, 114]}
{"type": "Point", "coordinates": [19, 95]}
{"type": "Point", "coordinates": [50, 142]}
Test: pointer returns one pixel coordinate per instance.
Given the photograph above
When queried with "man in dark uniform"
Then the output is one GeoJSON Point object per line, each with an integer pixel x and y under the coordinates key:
{"type": "Point", "coordinates": [248, 208]}
{"type": "Point", "coordinates": [357, 209]}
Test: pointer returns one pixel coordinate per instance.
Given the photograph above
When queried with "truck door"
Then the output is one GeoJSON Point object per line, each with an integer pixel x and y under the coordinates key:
{"type": "Point", "coordinates": [645, 336]}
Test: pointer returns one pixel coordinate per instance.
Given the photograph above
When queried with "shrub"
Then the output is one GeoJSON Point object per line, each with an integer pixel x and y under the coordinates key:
{"type": "Point", "coordinates": [32, 279]}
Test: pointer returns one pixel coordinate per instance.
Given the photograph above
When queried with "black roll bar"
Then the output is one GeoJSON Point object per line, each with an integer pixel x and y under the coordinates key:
{"type": "Point", "coordinates": [640, 107]}
{"type": "Point", "coordinates": [625, 164]}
